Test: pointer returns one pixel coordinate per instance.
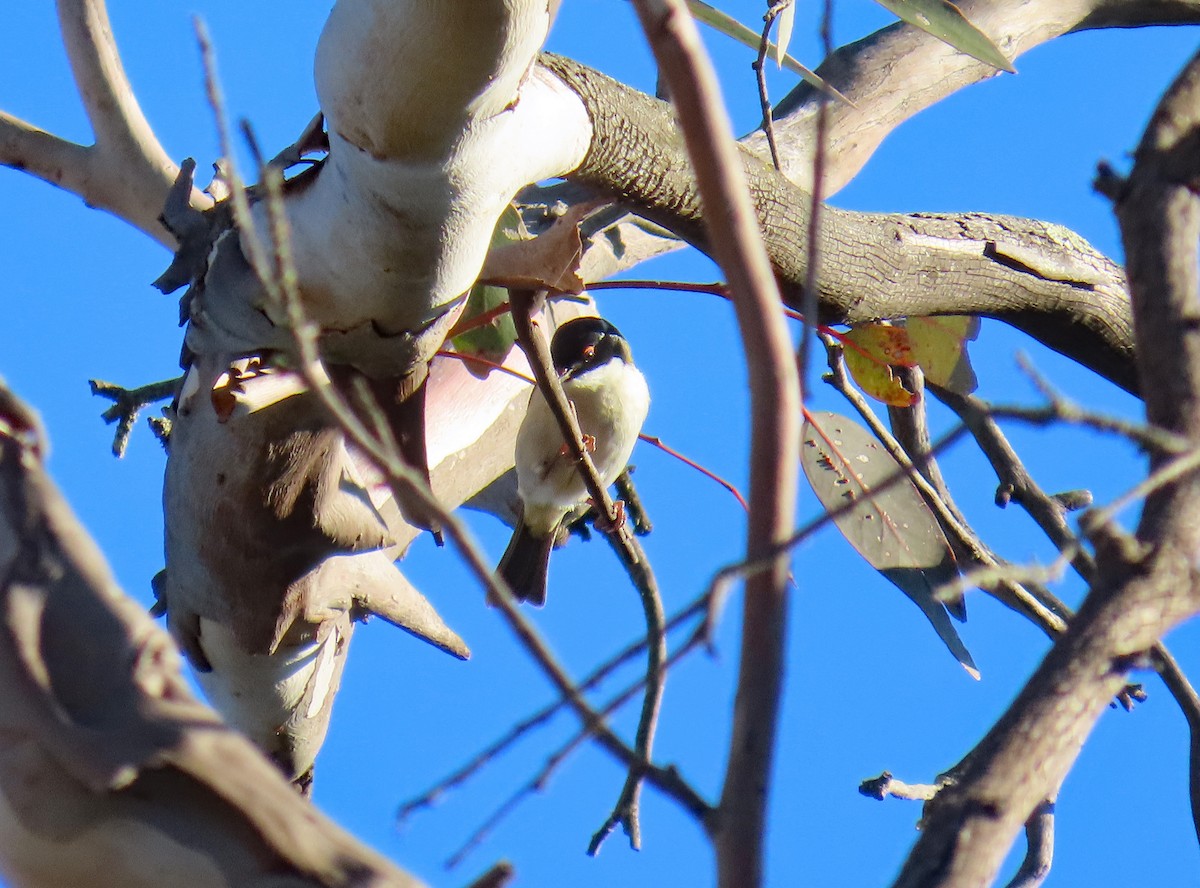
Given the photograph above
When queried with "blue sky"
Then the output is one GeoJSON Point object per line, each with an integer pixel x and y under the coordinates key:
{"type": "Point", "coordinates": [868, 688]}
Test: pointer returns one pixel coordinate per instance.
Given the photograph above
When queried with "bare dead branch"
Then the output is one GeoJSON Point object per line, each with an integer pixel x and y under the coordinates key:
{"type": "Point", "coordinates": [543, 715]}
{"type": "Point", "coordinates": [1039, 848]}
{"type": "Point", "coordinates": [885, 785]}
{"type": "Point", "coordinates": [540, 780]}
{"type": "Point", "coordinates": [128, 405]}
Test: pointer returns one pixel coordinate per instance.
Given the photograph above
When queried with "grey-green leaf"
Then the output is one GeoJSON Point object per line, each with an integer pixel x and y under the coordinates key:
{"type": "Point", "coordinates": [731, 27]}
{"type": "Point", "coordinates": [890, 526]}
{"type": "Point", "coordinates": [945, 21]}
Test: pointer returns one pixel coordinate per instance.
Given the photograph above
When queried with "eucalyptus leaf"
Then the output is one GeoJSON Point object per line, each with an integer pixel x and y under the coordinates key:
{"type": "Point", "coordinates": [945, 21]}
{"type": "Point", "coordinates": [731, 27]}
{"type": "Point", "coordinates": [495, 338]}
{"type": "Point", "coordinates": [783, 36]}
{"type": "Point", "coordinates": [891, 527]}
{"type": "Point", "coordinates": [939, 346]}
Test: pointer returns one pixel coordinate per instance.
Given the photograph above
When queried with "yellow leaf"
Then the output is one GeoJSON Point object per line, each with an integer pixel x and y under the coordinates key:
{"type": "Point", "coordinates": [877, 379]}
{"type": "Point", "coordinates": [939, 347]}
{"type": "Point", "coordinates": [881, 343]}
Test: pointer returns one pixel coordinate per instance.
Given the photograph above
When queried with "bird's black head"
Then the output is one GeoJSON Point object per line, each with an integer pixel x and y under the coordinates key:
{"type": "Point", "coordinates": [583, 343]}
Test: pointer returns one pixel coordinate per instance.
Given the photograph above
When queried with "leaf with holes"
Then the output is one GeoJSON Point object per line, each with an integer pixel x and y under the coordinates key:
{"type": "Point", "coordinates": [890, 525]}
{"type": "Point", "coordinates": [939, 346]}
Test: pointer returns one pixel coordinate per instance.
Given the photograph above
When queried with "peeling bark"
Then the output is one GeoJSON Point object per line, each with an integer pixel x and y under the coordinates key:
{"type": "Point", "coordinates": [111, 772]}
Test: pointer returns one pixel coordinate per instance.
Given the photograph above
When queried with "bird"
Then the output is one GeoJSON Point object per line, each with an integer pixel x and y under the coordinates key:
{"type": "Point", "coordinates": [611, 399]}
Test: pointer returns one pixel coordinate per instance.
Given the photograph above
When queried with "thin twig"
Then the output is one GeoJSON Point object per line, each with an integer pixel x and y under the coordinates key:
{"type": "Point", "coordinates": [760, 76]}
{"type": "Point", "coordinates": [537, 352]}
{"type": "Point", "coordinates": [128, 404]}
{"type": "Point", "coordinates": [810, 297]}
{"type": "Point", "coordinates": [540, 780]}
{"type": "Point", "coordinates": [1039, 848]}
{"type": "Point", "coordinates": [885, 785]}
{"type": "Point", "coordinates": [543, 715]}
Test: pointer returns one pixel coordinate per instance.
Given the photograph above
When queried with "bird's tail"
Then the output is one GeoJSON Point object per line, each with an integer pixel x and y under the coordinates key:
{"type": "Point", "coordinates": [525, 564]}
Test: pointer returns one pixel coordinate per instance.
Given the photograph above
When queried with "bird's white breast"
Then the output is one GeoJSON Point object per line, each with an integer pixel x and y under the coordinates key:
{"type": "Point", "coordinates": [611, 402]}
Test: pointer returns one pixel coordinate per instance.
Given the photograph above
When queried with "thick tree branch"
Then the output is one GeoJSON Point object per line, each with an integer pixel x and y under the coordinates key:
{"type": "Point", "coordinates": [899, 71]}
{"type": "Point", "coordinates": [1041, 278]}
{"type": "Point", "coordinates": [1147, 584]}
{"type": "Point", "coordinates": [105, 748]}
{"type": "Point", "coordinates": [126, 171]}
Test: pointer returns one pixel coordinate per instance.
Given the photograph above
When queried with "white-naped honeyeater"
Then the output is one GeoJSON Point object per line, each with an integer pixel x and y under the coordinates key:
{"type": "Point", "coordinates": [610, 398]}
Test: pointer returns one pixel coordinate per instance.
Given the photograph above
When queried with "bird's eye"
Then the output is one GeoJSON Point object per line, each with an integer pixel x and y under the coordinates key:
{"type": "Point", "coordinates": [589, 351]}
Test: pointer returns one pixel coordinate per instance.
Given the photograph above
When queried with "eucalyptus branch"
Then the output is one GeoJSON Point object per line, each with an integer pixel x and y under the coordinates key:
{"type": "Point", "coordinates": [126, 171]}
{"type": "Point", "coordinates": [1049, 515]}
{"type": "Point", "coordinates": [276, 271]}
{"type": "Point", "coordinates": [775, 408]}
{"type": "Point", "coordinates": [1148, 583]}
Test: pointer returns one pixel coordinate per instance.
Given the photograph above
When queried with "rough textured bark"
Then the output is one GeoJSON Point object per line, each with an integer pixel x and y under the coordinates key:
{"type": "Point", "coordinates": [1041, 278]}
{"type": "Point", "coordinates": [1147, 583]}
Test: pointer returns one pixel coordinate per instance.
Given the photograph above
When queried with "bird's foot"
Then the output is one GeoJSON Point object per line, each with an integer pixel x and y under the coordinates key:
{"type": "Point", "coordinates": [589, 444]}
{"type": "Point", "coordinates": [602, 523]}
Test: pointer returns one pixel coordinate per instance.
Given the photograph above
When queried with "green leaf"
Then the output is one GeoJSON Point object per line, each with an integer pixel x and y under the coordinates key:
{"type": "Point", "coordinates": [785, 21]}
{"type": "Point", "coordinates": [939, 346]}
{"type": "Point", "coordinates": [494, 339]}
{"type": "Point", "coordinates": [945, 21]}
{"type": "Point", "coordinates": [892, 528]}
{"type": "Point", "coordinates": [731, 27]}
